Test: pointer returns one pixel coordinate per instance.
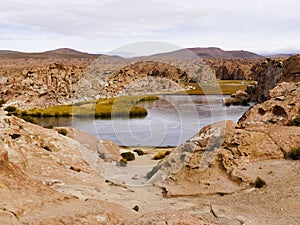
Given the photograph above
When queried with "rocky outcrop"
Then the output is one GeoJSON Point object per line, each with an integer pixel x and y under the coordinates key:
{"type": "Point", "coordinates": [146, 77]}
{"type": "Point", "coordinates": [29, 83]}
{"type": "Point", "coordinates": [239, 98]}
{"type": "Point", "coordinates": [291, 70]}
{"type": "Point", "coordinates": [267, 75]}
{"type": "Point", "coordinates": [223, 74]}
{"type": "Point", "coordinates": [42, 82]}
{"type": "Point", "coordinates": [272, 72]}
{"type": "Point", "coordinates": [37, 166]}
{"type": "Point", "coordinates": [283, 107]}
{"type": "Point", "coordinates": [217, 159]}
{"type": "Point", "coordinates": [233, 69]}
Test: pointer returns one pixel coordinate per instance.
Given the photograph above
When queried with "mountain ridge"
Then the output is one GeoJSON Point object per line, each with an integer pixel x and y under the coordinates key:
{"type": "Point", "coordinates": [56, 53]}
{"type": "Point", "coordinates": [208, 52]}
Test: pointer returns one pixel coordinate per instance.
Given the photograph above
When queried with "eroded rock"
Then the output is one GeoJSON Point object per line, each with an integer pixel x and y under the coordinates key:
{"type": "Point", "coordinates": [282, 108]}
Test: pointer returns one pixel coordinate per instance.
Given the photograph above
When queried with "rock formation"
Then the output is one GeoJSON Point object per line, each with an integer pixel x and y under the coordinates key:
{"type": "Point", "coordinates": [233, 69]}
{"type": "Point", "coordinates": [282, 108]}
{"type": "Point", "coordinates": [29, 83]}
{"type": "Point", "coordinates": [34, 162]}
{"type": "Point", "coordinates": [268, 74]}
{"type": "Point", "coordinates": [217, 159]}
{"type": "Point", "coordinates": [272, 72]}
{"type": "Point", "coordinates": [64, 76]}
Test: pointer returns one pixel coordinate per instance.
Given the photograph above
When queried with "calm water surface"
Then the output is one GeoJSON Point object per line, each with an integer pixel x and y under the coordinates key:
{"type": "Point", "coordinates": [171, 120]}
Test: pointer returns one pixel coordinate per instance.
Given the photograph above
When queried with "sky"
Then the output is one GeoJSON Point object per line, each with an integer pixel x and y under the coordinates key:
{"type": "Point", "coordinates": [100, 26]}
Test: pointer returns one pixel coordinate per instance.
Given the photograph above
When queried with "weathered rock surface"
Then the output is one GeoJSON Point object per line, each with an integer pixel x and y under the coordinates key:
{"type": "Point", "coordinates": [282, 108]}
{"type": "Point", "coordinates": [233, 69]}
{"type": "Point", "coordinates": [29, 83]}
{"type": "Point", "coordinates": [35, 161]}
{"type": "Point", "coordinates": [146, 77]}
{"type": "Point", "coordinates": [239, 98]}
{"type": "Point", "coordinates": [65, 76]}
{"type": "Point", "coordinates": [272, 72]}
{"type": "Point", "coordinates": [291, 70]}
{"type": "Point", "coordinates": [214, 160]}
{"type": "Point", "coordinates": [267, 75]}
{"type": "Point", "coordinates": [173, 217]}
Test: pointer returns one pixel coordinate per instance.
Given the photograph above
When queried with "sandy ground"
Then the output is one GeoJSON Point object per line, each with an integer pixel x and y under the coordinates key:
{"type": "Point", "coordinates": [277, 203]}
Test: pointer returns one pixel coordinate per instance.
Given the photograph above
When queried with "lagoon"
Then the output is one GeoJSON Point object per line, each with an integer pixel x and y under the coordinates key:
{"type": "Point", "coordinates": [171, 121]}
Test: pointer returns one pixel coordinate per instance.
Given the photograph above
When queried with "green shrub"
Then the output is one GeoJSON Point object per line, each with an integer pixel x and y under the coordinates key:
{"type": "Point", "coordinates": [1, 102]}
{"type": "Point", "coordinates": [139, 151]}
{"type": "Point", "coordinates": [294, 122]}
{"type": "Point", "coordinates": [10, 109]}
{"type": "Point", "coordinates": [123, 162]}
{"type": "Point", "coordinates": [259, 183]}
{"type": "Point", "coordinates": [29, 119]}
{"type": "Point", "coordinates": [24, 113]}
{"type": "Point", "coordinates": [295, 154]}
{"type": "Point", "coordinates": [63, 132]}
{"type": "Point", "coordinates": [129, 156]}
{"type": "Point", "coordinates": [161, 155]}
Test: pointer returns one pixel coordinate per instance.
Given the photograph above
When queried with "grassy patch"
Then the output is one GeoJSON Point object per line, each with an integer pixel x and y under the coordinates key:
{"type": "Point", "coordinates": [10, 109]}
{"type": "Point", "coordinates": [295, 154]}
{"type": "Point", "coordinates": [161, 155]}
{"type": "Point", "coordinates": [259, 183]}
{"type": "Point", "coordinates": [63, 132]}
{"type": "Point", "coordinates": [294, 122]}
{"type": "Point", "coordinates": [1, 102]}
{"type": "Point", "coordinates": [139, 152]}
{"type": "Point", "coordinates": [225, 87]}
{"type": "Point", "coordinates": [129, 156]}
{"type": "Point", "coordinates": [124, 106]}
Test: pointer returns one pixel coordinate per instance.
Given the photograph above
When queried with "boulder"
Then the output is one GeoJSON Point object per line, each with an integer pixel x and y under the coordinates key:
{"type": "Point", "coordinates": [241, 97]}
{"type": "Point", "coordinates": [282, 108]}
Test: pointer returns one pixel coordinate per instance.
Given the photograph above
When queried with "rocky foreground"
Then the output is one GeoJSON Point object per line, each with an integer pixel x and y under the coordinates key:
{"type": "Point", "coordinates": [227, 173]}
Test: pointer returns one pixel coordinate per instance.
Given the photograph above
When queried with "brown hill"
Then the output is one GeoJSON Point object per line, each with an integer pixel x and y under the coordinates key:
{"type": "Point", "coordinates": [57, 53]}
{"type": "Point", "coordinates": [213, 52]}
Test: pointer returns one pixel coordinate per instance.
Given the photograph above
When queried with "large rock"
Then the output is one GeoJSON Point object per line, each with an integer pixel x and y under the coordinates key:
{"type": "Point", "coordinates": [267, 74]}
{"type": "Point", "coordinates": [272, 72]}
{"type": "Point", "coordinates": [216, 159]}
{"type": "Point", "coordinates": [291, 71]}
{"type": "Point", "coordinates": [41, 173]}
{"type": "Point", "coordinates": [282, 108]}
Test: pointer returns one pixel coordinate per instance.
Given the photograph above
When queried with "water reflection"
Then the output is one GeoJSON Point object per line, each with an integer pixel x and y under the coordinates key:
{"type": "Point", "coordinates": [171, 120]}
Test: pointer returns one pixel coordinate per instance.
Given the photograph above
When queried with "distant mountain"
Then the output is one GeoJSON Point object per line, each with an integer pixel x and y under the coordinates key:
{"type": "Point", "coordinates": [213, 52]}
{"type": "Point", "coordinates": [57, 53]}
{"type": "Point", "coordinates": [210, 52]}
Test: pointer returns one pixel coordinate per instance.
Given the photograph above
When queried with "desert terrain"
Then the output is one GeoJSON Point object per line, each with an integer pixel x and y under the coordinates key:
{"type": "Point", "coordinates": [228, 173]}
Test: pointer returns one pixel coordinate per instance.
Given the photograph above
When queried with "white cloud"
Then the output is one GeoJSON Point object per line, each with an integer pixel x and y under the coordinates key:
{"type": "Point", "coordinates": [107, 24]}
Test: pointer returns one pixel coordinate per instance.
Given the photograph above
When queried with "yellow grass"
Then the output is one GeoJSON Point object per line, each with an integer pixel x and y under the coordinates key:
{"type": "Point", "coordinates": [103, 108]}
{"type": "Point", "coordinates": [225, 87]}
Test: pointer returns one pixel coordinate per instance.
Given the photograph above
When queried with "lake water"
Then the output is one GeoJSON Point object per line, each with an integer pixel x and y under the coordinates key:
{"type": "Point", "coordinates": [171, 120]}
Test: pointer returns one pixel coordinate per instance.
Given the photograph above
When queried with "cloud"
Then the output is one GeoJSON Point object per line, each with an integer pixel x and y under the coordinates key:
{"type": "Point", "coordinates": [226, 23]}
